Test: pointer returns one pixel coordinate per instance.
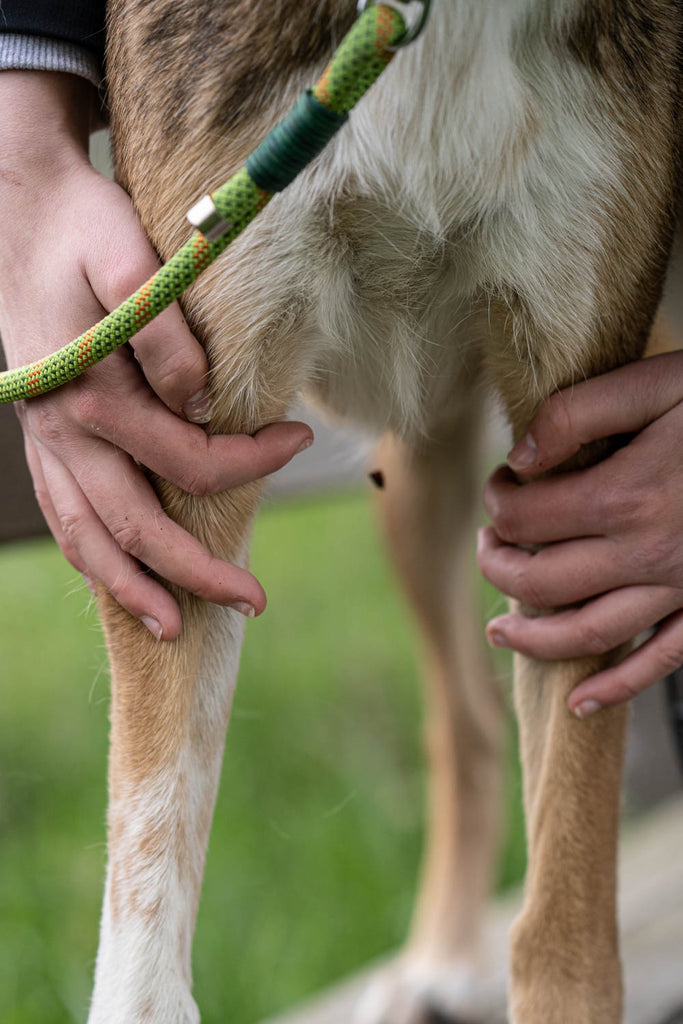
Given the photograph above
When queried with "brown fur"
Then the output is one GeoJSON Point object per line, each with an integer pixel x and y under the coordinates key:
{"type": "Point", "coordinates": [193, 87]}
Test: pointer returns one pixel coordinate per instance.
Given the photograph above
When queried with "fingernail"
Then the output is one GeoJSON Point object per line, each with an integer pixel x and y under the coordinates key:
{"type": "Point", "coordinates": [304, 445]}
{"type": "Point", "coordinates": [153, 626]}
{"type": "Point", "coordinates": [523, 454]}
{"type": "Point", "coordinates": [243, 608]}
{"type": "Point", "coordinates": [496, 638]}
{"type": "Point", "coordinates": [198, 409]}
{"type": "Point", "coordinates": [480, 539]}
{"type": "Point", "coordinates": [586, 708]}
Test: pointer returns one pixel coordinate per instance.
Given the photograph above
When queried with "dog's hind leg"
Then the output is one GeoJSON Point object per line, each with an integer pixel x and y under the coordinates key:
{"type": "Point", "coordinates": [428, 507]}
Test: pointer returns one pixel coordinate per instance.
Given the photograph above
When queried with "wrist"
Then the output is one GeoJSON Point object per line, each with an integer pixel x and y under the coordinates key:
{"type": "Point", "coordinates": [45, 124]}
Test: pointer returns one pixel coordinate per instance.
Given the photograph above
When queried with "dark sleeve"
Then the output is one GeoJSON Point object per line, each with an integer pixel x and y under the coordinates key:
{"type": "Point", "coordinates": [74, 21]}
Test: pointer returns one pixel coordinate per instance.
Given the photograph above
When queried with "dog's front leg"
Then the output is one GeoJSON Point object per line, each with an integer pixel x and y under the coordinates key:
{"type": "Point", "coordinates": [564, 946]}
{"type": "Point", "coordinates": [170, 708]}
{"type": "Point", "coordinates": [564, 950]}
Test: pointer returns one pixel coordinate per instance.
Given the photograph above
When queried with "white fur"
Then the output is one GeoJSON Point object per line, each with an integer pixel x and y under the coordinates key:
{"type": "Point", "coordinates": [144, 955]}
{"type": "Point", "coordinates": [409, 987]}
{"type": "Point", "coordinates": [478, 166]}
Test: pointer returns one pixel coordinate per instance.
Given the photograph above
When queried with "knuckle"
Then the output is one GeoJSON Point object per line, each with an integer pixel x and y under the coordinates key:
{"type": "Point", "coordinates": [491, 499]}
{"type": "Point", "coordinates": [42, 496]}
{"type": "Point", "coordinates": [488, 497]}
{"type": "Point", "coordinates": [624, 690]}
{"type": "Point", "coordinates": [127, 276]}
{"type": "Point", "coordinates": [176, 371]}
{"type": "Point", "coordinates": [528, 590]}
{"type": "Point", "coordinates": [625, 504]}
{"type": "Point", "coordinates": [46, 424]}
{"type": "Point", "coordinates": [593, 641]}
{"type": "Point", "coordinates": [506, 524]}
{"type": "Point", "coordinates": [201, 580]}
{"type": "Point", "coordinates": [491, 571]}
{"type": "Point", "coordinates": [203, 591]}
{"type": "Point", "coordinates": [483, 562]}
{"type": "Point", "coordinates": [669, 658]}
{"type": "Point", "coordinates": [553, 417]}
{"type": "Point", "coordinates": [652, 508]}
{"type": "Point", "coordinates": [199, 483]}
{"type": "Point", "coordinates": [86, 408]}
{"type": "Point", "coordinates": [123, 590]}
{"type": "Point", "coordinates": [498, 510]}
{"type": "Point", "coordinates": [128, 536]}
{"type": "Point", "coordinates": [655, 553]}
{"type": "Point", "coordinates": [201, 479]}
{"type": "Point", "coordinates": [70, 524]}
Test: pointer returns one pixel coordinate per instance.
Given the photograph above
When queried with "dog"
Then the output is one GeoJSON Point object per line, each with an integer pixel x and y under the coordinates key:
{"type": "Point", "coordinates": [496, 216]}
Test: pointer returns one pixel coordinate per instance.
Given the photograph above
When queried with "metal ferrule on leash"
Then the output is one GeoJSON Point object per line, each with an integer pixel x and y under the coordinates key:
{"type": "Point", "coordinates": [219, 218]}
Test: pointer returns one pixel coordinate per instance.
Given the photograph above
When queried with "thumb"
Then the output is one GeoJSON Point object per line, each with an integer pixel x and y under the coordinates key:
{"type": "Point", "coordinates": [171, 358]}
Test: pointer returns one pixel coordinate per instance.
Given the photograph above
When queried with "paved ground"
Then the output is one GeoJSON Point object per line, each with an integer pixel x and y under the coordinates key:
{"type": "Point", "coordinates": [651, 917]}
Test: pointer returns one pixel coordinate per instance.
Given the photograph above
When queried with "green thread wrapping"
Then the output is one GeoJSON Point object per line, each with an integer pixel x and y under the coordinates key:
{"type": "Point", "coordinates": [360, 59]}
{"type": "Point", "coordinates": [294, 143]}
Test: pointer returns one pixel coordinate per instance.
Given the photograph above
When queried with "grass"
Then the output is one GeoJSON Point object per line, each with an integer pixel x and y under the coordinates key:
{"type": "Point", "coordinates": [317, 833]}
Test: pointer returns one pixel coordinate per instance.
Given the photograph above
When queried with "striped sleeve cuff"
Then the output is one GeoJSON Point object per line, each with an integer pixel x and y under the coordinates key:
{"type": "Point", "coordinates": [38, 53]}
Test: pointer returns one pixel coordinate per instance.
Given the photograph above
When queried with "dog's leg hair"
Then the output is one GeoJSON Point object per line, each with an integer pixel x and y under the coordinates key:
{"type": "Point", "coordinates": [564, 945]}
{"type": "Point", "coordinates": [171, 701]}
{"type": "Point", "coordinates": [169, 712]}
{"type": "Point", "coordinates": [428, 510]}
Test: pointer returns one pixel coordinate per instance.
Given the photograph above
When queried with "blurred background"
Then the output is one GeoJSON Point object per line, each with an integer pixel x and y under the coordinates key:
{"type": "Point", "coordinates": [318, 828]}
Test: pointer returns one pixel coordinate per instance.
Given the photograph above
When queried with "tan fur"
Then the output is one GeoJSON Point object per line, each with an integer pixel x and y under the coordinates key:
{"type": "Point", "coordinates": [393, 294]}
{"type": "Point", "coordinates": [428, 510]}
{"type": "Point", "coordinates": [148, 717]}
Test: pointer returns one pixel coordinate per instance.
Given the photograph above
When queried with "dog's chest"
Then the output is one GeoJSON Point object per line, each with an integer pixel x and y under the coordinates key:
{"type": "Point", "coordinates": [491, 166]}
{"type": "Point", "coordinates": [437, 195]}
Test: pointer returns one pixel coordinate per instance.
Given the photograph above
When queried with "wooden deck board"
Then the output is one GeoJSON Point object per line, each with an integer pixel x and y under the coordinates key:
{"type": "Point", "coordinates": [651, 919]}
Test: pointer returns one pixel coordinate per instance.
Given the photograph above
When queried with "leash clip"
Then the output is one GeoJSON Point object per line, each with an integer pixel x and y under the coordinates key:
{"type": "Point", "coordinates": [414, 12]}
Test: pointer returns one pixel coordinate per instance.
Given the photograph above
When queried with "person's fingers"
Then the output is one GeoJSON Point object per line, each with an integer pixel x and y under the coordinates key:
{"type": "Point", "coordinates": [141, 596]}
{"type": "Point", "coordinates": [47, 507]}
{"type": "Point", "coordinates": [561, 574]}
{"type": "Point", "coordinates": [171, 358]}
{"type": "Point", "coordinates": [136, 421]}
{"type": "Point", "coordinates": [561, 507]}
{"type": "Point", "coordinates": [597, 627]}
{"type": "Point", "coordinates": [655, 659]}
{"type": "Point", "coordinates": [143, 530]}
{"type": "Point", "coordinates": [620, 402]}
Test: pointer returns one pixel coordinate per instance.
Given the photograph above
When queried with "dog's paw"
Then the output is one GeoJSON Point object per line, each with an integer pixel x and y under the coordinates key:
{"type": "Point", "coordinates": [414, 991]}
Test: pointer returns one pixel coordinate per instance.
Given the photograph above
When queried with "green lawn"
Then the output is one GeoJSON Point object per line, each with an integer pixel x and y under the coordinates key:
{"type": "Point", "coordinates": [318, 827]}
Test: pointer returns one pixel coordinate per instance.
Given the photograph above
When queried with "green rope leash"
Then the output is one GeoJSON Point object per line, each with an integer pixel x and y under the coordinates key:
{"type": "Point", "coordinates": [362, 56]}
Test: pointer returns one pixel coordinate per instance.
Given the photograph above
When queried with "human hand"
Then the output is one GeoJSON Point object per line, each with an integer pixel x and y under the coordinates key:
{"type": "Point", "coordinates": [72, 250]}
{"type": "Point", "coordinates": [612, 532]}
